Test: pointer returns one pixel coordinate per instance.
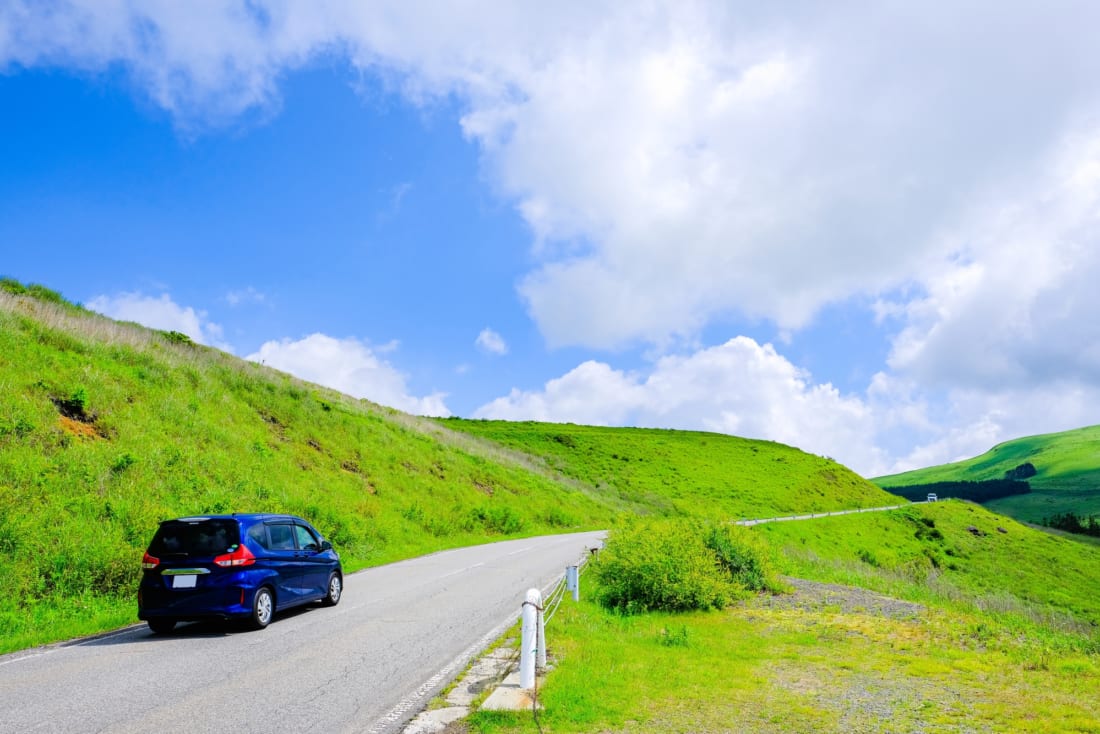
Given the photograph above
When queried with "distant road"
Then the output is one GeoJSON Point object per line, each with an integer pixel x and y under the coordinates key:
{"type": "Point", "coordinates": [399, 634]}
{"type": "Point", "coordinates": [815, 515]}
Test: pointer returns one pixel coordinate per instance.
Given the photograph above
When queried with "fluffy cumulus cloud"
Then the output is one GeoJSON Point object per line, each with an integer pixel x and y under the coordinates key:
{"type": "Point", "coordinates": [350, 366]}
{"type": "Point", "coordinates": [161, 312]}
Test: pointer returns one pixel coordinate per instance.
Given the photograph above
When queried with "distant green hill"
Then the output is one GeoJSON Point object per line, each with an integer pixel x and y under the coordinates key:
{"type": "Point", "coordinates": [687, 472]}
{"type": "Point", "coordinates": [1067, 474]}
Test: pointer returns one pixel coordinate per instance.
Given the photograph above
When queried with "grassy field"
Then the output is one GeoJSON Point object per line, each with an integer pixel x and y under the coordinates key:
{"type": "Point", "coordinates": [925, 619]}
{"type": "Point", "coordinates": [819, 660]}
{"type": "Point", "coordinates": [1067, 478]}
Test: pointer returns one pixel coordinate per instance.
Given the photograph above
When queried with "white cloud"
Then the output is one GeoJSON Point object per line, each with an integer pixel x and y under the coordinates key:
{"type": "Point", "coordinates": [350, 366]}
{"type": "Point", "coordinates": [1017, 307]}
{"type": "Point", "coordinates": [245, 295]}
{"type": "Point", "coordinates": [677, 161]}
{"type": "Point", "coordinates": [161, 313]}
{"type": "Point", "coordinates": [491, 342]}
{"type": "Point", "coordinates": [739, 387]}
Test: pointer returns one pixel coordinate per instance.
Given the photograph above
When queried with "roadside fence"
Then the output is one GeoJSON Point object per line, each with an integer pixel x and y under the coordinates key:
{"type": "Point", "coordinates": [537, 613]}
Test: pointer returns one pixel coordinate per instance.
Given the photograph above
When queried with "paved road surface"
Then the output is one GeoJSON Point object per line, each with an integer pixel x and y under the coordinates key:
{"type": "Point", "coordinates": [815, 515]}
{"type": "Point", "coordinates": [399, 634]}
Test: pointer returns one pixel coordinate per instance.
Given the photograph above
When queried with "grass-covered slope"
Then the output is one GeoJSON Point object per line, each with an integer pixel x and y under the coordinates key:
{"type": "Point", "coordinates": [685, 472]}
{"type": "Point", "coordinates": [1067, 475]}
{"type": "Point", "coordinates": [107, 428]}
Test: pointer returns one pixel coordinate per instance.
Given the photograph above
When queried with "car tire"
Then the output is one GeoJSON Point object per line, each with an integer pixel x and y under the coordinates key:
{"type": "Point", "coordinates": [335, 590]}
{"type": "Point", "coordinates": [263, 608]}
{"type": "Point", "coordinates": [161, 626]}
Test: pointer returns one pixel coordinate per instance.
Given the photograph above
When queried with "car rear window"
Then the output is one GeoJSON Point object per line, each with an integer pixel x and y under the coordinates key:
{"type": "Point", "coordinates": [200, 537]}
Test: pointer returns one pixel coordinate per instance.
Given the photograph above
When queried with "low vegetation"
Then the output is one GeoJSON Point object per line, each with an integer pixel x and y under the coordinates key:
{"type": "Point", "coordinates": [937, 618]}
{"type": "Point", "coordinates": [821, 659]}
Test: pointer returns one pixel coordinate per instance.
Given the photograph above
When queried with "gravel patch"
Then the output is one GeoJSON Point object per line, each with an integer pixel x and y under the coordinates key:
{"type": "Point", "coordinates": [818, 596]}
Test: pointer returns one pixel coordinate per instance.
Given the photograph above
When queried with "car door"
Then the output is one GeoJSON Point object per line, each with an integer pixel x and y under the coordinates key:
{"type": "Point", "coordinates": [316, 565]}
{"type": "Point", "coordinates": [288, 563]}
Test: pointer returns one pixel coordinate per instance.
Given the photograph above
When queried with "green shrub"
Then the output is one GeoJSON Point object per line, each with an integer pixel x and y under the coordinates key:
{"type": "Point", "coordinates": [123, 462]}
{"type": "Point", "coordinates": [43, 293]}
{"type": "Point", "coordinates": [745, 556]}
{"type": "Point", "coordinates": [75, 405]}
{"type": "Point", "coordinates": [496, 520]}
{"type": "Point", "coordinates": [649, 565]}
{"type": "Point", "coordinates": [176, 337]}
{"type": "Point", "coordinates": [13, 286]}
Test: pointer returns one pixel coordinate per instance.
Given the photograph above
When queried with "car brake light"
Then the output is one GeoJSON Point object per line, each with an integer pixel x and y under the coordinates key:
{"type": "Point", "coordinates": [240, 556]}
{"type": "Point", "coordinates": [148, 562]}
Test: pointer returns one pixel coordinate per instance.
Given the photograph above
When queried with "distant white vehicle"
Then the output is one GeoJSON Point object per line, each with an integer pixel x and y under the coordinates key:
{"type": "Point", "coordinates": [932, 497]}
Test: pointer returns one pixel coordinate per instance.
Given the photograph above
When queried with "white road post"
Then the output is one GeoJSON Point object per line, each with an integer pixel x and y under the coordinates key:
{"type": "Point", "coordinates": [530, 641]}
{"type": "Point", "coordinates": [573, 581]}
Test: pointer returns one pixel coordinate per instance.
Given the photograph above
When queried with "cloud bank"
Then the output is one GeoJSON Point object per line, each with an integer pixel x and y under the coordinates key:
{"type": "Point", "coordinates": [692, 163]}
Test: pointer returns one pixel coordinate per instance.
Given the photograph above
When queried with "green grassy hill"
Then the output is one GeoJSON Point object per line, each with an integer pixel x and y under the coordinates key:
{"type": "Point", "coordinates": [1067, 478]}
{"type": "Point", "coordinates": [687, 473]}
{"type": "Point", "coordinates": [106, 428]}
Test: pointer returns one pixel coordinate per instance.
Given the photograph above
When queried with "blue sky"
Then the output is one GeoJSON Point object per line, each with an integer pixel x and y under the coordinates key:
{"type": "Point", "coordinates": [869, 233]}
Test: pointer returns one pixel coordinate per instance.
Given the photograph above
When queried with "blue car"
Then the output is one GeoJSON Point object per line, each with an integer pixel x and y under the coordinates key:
{"type": "Point", "coordinates": [244, 567]}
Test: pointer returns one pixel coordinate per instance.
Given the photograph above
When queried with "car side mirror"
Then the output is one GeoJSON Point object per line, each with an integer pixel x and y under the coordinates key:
{"type": "Point", "coordinates": [325, 546]}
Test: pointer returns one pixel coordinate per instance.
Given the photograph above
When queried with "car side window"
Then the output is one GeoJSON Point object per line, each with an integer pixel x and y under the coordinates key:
{"type": "Point", "coordinates": [282, 537]}
{"type": "Point", "coordinates": [306, 539]}
{"type": "Point", "coordinates": [258, 533]}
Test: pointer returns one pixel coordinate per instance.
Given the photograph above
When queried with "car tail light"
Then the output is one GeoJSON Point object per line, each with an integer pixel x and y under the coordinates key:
{"type": "Point", "coordinates": [239, 557]}
{"type": "Point", "coordinates": [148, 562]}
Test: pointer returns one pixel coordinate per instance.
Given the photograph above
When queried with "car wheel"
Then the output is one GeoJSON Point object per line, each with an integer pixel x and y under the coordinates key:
{"type": "Point", "coordinates": [335, 590]}
{"type": "Point", "coordinates": [161, 626]}
{"type": "Point", "coordinates": [263, 608]}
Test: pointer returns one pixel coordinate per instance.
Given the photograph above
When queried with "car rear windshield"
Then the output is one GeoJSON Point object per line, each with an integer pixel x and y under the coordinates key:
{"type": "Point", "coordinates": [184, 538]}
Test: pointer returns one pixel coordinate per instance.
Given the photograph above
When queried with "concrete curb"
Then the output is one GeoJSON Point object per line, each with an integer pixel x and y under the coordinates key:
{"type": "Point", "coordinates": [491, 670]}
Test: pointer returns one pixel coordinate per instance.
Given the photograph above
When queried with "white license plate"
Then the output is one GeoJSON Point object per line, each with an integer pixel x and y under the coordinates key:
{"type": "Point", "coordinates": [184, 582]}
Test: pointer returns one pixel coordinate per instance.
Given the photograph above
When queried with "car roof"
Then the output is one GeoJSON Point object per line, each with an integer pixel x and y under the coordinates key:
{"type": "Point", "coordinates": [247, 516]}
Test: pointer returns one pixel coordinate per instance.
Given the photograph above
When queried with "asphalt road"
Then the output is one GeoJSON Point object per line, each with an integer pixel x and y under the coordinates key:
{"type": "Point", "coordinates": [400, 633]}
{"type": "Point", "coordinates": [816, 515]}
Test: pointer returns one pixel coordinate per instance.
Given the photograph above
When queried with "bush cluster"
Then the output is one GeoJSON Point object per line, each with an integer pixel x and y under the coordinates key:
{"type": "Point", "coordinates": [1071, 522]}
{"type": "Point", "coordinates": [680, 565]}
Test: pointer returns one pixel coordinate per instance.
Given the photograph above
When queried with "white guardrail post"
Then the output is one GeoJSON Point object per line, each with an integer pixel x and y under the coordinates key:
{"type": "Point", "coordinates": [573, 581]}
{"type": "Point", "coordinates": [532, 639]}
